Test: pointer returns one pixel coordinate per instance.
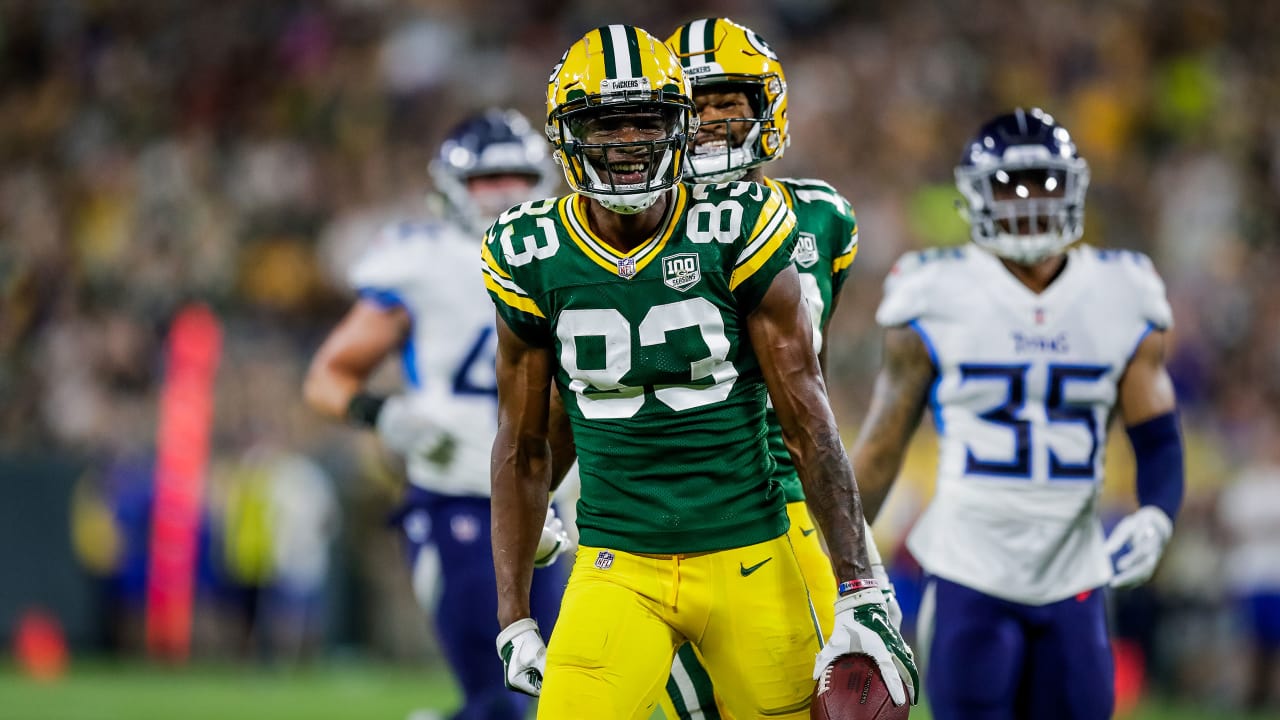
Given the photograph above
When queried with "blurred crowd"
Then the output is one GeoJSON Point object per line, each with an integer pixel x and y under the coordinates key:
{"type": "Point", "coordinates": [240, 153]}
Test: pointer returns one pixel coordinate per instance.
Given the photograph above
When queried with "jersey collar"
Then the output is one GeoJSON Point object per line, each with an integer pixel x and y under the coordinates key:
{"type": "Point", "coordinates": [574, 217]}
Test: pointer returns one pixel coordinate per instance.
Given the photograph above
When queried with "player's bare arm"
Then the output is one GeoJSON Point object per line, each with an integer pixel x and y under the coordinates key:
{"type": "Point", "coordinates": [897, 401]}
{"type": "Point", "coordinates": [349, 355]}
{"type": "Point", "coordinates": [823, 354]}
{"type": "Point", "coordinates": [560, 436]}
{"type": "Point", "coordinates": [1146, 390]}
{"type": "Point", "coordinates": [780, 333]}
{"type": "Point", "coordinates": [521, 463]}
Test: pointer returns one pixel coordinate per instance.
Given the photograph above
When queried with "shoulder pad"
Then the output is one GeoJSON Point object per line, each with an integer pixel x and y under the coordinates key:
{"type": "Point", "coordinates": [909, 285]}
{"type": "Point", "coordinates": [1140, 279]}
{"type": "Point", "coordinates": [394, 258]}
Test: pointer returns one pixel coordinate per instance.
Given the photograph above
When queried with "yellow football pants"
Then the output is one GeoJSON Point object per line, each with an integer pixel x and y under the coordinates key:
{"type": "Point", "coordinates": [623, 615]}
{"type": "Point", "coordinates": [693, 688]}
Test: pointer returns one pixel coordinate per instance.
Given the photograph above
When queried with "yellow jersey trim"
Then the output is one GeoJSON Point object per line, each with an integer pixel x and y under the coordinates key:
{"type": "Point", "coordinates": [491, 262]}
{"type": "Point", "coordinates": [575, 221]}
{"type": "Point", "coordinates": [524, 304]}
{"type": "Point", "coordinates": [745, 270]}
{"type": "Point", "coordinates": [844, 261]}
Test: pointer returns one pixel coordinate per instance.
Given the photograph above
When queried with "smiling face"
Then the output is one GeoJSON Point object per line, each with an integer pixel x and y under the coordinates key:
{"type": "Point", "coordinates": [717, 109]}
{"type": "Point", "coordinates": [623, 145]}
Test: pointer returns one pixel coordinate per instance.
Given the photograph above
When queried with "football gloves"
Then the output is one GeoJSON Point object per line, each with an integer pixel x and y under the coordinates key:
{"type": "Point", "coordinates": [1136, 543]}
{"type": "Point", "coordinates": [554, 541]}
{"type": "Point", "coordinates": [405, 426]}
{"type": "Point", "coordinates": [524, 656]}
{"type": "Point", "coordinates": [862, 626]}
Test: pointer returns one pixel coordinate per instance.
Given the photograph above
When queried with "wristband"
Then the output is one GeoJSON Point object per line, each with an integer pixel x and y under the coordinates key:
{"type": "Point", "coordinates": [852, 586]}
{"type": "Point", "coordinates": [364, 409]}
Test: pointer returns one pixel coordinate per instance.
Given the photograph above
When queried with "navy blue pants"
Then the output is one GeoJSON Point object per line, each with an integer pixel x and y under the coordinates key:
{"type": "Point", "coordinates": [991, 659]}
{"type": "Point", "coordinates": [466, 619]}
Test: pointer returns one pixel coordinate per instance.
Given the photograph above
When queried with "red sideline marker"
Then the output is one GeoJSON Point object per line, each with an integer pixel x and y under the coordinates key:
{"type": "Point", "coordinates": [186, 415]}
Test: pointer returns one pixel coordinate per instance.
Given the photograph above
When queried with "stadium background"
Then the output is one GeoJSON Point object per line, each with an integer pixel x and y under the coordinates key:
{"type": "Point", "coordinates": [239, 153]}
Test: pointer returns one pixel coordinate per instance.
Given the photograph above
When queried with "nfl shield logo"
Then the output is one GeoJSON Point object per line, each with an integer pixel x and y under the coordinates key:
{"type": "Point", "coordinates": [806, 252]}
{"type": "Point", "coordinates": [627, 268]}
{"type": "Point", "coordinates": [681, 271]}
{"type": "Point", "coordinates": [604, 560]}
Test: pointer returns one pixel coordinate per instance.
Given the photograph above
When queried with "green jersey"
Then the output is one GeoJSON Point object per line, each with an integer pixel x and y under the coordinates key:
{"type": "Point", "coordinates": [826, 243]}
{"type": "Point", "coordinates": [658, 377]}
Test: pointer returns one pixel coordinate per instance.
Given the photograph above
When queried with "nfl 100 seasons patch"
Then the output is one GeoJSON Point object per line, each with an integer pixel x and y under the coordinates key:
{"type": "Point", "coordinates": [682, 270]}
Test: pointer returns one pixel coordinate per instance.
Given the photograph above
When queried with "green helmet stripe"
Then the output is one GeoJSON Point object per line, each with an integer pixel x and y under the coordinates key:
{"type": "Point", "coordinates": [633, 51]}
{"type": "Point", "coordinates": [606, 47]}
{"type": "Point", "coordinates": [684, 45]}
{"type": "Point", "coordinates": [709, 40]}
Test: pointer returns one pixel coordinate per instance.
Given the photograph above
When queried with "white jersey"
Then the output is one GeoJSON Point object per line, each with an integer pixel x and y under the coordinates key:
{"type": "Point", "coordinates": [430, 270]}
{"type": "Point", "coordinates": [1025, 388]}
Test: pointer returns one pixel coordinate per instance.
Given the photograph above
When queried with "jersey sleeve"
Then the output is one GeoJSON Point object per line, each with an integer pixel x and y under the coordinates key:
{"type": "Point", "coordinates": [514, 304]}
{"type": "Point", "coordinates": [764, 252]}
{"type": "Point", "coordinates": [1148, 289]}
{"type": "Point", "coordinates": [393, 262]}
{"type": "Point", "coordinates": [846, 250]}
{"type": "Point", "coordinates": [906, 291]}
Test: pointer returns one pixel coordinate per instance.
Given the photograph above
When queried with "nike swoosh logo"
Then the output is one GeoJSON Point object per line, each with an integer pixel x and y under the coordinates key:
{"type": "Point", "coordinates": [748, 570]}
{"type": "Point", "coordinates": [808, 532]}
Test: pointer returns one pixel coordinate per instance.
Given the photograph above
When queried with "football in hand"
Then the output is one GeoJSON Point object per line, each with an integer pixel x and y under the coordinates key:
{"type": "Point", "coordinates": [851, 689]}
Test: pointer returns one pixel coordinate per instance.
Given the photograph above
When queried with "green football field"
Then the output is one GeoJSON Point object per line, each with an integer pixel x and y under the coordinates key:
{"type": "Point", "coordinates": [331, 692]}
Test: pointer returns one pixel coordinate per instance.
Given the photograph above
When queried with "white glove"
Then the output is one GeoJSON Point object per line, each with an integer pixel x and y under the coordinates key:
{"type": "Point", "coordinates": [891, 605]}
{"type": "Point", "coordinates": [524, 656]}
{"type": "Point", "coordinates": [406, 427]}
{"type": "Point", "coordinates": [1136, 543]}
{"type": "Point", "coordinates": [554, 541]}
{"type": "Point", "coordinates": [862, 626]}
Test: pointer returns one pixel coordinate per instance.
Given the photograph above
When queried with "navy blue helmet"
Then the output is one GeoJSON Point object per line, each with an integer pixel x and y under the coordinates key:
{"type": "Point", "coordinates": [1024, 186]}
{"type": "Point", "coordinates": [492, 143]}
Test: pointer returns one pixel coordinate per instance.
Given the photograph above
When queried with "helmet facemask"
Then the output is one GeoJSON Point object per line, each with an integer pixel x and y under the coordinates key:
{"type": "Point", "coordinates": [1025, 211]}
{"type": "Point", "coordinates": [724, 149]}
{"type": "Point", "coordinates": [623, 151]}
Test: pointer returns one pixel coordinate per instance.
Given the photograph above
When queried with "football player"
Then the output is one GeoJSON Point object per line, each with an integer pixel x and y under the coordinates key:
{"type": "Point", "coordinates": [663, 312]}
{"type": "Point", "coordinates": [1024, 350]}
{"type": "Point", "coordinates": [740, 93]}
{"type": "Point", "coordinates": [419, 297]}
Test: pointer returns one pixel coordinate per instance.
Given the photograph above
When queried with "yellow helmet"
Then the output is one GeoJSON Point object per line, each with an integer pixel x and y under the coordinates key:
{"type": "Point", "coordinates": [720, 52]}
{"type": "Point", "coordinates": [618, 76]}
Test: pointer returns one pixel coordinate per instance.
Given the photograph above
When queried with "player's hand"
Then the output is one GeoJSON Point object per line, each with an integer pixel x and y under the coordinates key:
{"type": "Point", "coordinates": [554, 541]}
{"type": "Point", "coordinates": [1136, 543]}
{"type": "Point", "coordinates": [406, 427]}
{"type": "Point", "coordinates": [891, 606]}
{"type": "Point", "coordinates": [862, 626]}
{"type": "Point", "coordinates": [524, 656]}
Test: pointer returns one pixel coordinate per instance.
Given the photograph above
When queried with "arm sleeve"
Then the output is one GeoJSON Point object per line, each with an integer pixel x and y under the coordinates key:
{"type": "Point", "coordinates": [906, 291]}
{"type": "Point", "coordinates": [764, 252]}
{"type": "Point", "coordinates": [1150, 298]}
{"type": "Point", "coordinates": [393, 262]}
{"type": "Point", "coordinates": [847, 234]}
{"type": "Point", "coordinates": [515, 306]}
